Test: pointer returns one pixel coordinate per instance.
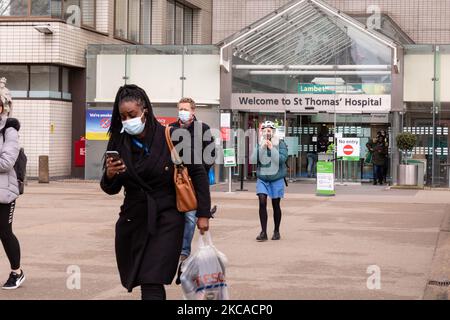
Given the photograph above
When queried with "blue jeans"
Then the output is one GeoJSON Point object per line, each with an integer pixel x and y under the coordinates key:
{"type": "Point", "coordinates": [189, 229]}
{"type": "Point", "coordinates": [312, 160]}
{"type": "Point", "coordinates": [378, 174]}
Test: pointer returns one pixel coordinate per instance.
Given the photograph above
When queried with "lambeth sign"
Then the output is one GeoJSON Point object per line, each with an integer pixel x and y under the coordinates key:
{"type": "Point", "coordinates": [315, 88]}
{"type": "Point", "coordinates": [312, 103]}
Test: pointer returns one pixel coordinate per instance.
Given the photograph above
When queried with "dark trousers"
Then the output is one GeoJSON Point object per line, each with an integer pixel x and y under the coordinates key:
{"type": "Point", "coordinates": [153, 292]}
{"type": "Point", "coordinates": [9, 240]}
{"type": "Point", "coordinates": [378, 174]}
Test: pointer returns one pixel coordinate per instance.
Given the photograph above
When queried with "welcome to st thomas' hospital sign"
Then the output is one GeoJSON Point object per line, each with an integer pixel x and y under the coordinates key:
{"type": "Point", "coordinates": [312, 103]}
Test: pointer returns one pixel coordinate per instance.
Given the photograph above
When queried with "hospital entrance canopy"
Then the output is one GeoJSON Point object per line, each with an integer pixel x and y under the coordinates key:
{"type": "Point", "coordinates": [308, 37]}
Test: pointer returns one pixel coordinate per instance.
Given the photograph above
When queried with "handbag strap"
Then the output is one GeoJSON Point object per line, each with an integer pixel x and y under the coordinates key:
{"type": "Point", "coordinates": [175, 156]}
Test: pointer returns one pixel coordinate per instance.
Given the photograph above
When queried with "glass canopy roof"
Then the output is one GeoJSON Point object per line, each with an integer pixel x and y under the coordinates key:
{"type": "Point", "coordinates": [310, 33]}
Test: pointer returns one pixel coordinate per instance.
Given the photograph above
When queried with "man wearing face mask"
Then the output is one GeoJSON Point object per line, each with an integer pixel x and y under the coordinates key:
{"type": "Point", "coordinates": [202, 143]}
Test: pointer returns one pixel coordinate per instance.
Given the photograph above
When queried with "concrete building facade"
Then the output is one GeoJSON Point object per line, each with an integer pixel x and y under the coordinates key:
{"type": "Point", "coordinates": [284, 49]}
{"type": "Point", "coordinates": [43, 56]}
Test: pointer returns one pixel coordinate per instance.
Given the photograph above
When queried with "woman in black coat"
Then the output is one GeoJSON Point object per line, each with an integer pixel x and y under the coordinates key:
{"type": "Point", "coordinates": [149, 232]}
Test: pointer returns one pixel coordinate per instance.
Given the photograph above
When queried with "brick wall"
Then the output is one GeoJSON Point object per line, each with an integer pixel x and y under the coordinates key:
{"type": "Point", "coordinates": [202, 21]}
{"type": "Point", "coordinates": [231, 16]}
{"type": "Point", "coordinates": [202, 27]}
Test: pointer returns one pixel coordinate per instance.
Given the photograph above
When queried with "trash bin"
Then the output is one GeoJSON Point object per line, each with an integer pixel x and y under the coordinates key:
{"type": "Point", "coordinates": [408, 174]}
{"type": "Point", "coordinates": [420, 171]}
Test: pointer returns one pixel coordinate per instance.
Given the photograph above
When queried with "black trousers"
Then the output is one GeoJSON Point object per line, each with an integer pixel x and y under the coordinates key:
{"type": "Point", "coordinates": [7, 237]}
{"type": "Point", "coordinates": [153, 292]}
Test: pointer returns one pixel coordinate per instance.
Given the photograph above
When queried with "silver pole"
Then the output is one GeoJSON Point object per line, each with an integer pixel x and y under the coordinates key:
{"type": "Point", "coordinates": [435, 108]}
{"type": "Point", "coordinates": [182, 73]}
{"type": "Point", "coordinates": [229, 180]}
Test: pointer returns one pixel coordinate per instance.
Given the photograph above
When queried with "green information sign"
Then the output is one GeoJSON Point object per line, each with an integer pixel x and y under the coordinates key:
{"type": "Point", "coordinates": [325, 178]}
{"type": "Point", "coordinates": [229, 157]}
{"type": "Point", "coordinates": [314, 88]}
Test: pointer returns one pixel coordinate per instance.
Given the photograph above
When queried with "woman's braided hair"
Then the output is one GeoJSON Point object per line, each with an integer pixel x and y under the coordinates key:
{"type": "Point", "coordinates": [136, 94]}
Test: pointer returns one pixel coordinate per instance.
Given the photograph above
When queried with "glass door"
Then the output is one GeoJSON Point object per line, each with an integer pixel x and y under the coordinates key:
{"type": "Point", "coordinates": [362, 128]}
{"type": "Point", "coordinates": [254, 122]}
{"type": "Point", "coordinates": [307, 141]}
{"type": "Point", "coordinates": [350, 126]}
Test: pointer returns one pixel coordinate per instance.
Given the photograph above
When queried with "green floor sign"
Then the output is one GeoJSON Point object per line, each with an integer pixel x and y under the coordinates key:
{"type": "Point", "coordinates": [325, 178]}
{"type": "Point", "coordinates": [229, 157]}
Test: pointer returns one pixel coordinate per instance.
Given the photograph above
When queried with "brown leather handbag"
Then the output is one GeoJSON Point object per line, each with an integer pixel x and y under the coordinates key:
{"type": "Point", "coordinates": [185, 192]}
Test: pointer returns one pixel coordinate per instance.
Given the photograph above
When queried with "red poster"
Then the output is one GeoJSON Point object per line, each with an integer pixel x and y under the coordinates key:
{"type": "Point", "coordinates": [225, 134]}
{"type": "Point", "coordinates": [166, 120]}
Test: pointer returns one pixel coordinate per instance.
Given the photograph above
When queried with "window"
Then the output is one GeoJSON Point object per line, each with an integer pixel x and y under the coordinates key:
{"type": "Point", "coordinates": [179, 23]}
{"type": "Point", "coordinates": [68, 9]}
{"type": "Point", "coordinates": [44, 82]}
{"type": "Point", "coordinates": [14, 8]}
{"type": "Point", "coordinates": [50, 8]}
{"type": "Point", "coordinates": [188, 25]}
{"type": "Point", "coordinates": [146, 21]}
{"type": "Point", "coordinates": [88, 13]}
{"type": "Point", "coordinates": [86, 7]}
{"type": "Point", "coordinates": [17, 79]}
{"type": "Point", "coordinates": [121, 29]}
{"type": "Point", "coordinates": [40, 8]}
{"type": "Point", "coordinates": [37, 81]}
{"type": "Point", "coordinates": [133, 20]}
{"type": "Point", "coordinates": [65, 84]}
{"type": "Point", "coordinates": [170, 22]}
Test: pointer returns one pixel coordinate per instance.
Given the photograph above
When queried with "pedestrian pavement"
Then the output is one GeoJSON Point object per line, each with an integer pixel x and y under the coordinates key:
{"type": "Point", "coordinates": [331, 248]}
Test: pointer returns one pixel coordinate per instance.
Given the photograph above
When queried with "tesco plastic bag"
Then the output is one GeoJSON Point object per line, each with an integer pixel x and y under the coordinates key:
{"type": "Point", "coordinates": [203, 273]}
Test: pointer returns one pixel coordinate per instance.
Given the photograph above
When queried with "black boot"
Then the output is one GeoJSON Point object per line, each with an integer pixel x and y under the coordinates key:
{"type": "Point", "coordinates": [262, 236]}
{"type": "Point", "coordinates": [276, 235]}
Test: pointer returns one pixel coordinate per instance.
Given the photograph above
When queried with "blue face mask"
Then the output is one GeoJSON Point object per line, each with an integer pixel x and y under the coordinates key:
{"type": "Point", "coordinates": [134, 126]}
{"type": "Point", "coordinates": [184, 116]}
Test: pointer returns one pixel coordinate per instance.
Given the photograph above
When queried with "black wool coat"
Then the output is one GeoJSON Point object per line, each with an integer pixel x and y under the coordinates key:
{"type": "Point", "coordinates": [206, 139]}
{"type": "Point", "coordinates": [149, 231]}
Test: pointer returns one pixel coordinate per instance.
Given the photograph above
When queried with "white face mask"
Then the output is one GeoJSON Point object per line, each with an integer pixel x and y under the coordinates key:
{"type": "Point", "coordinates": [134, 126]}
{"type": "Point", "coordinates": [184, 116]}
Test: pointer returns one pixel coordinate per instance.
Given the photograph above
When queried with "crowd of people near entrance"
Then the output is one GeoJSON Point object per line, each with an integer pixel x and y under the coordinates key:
{"type": "Point", "coordinates": [153, 235]}
{"type": "Point", "coordinates": [154, 230]}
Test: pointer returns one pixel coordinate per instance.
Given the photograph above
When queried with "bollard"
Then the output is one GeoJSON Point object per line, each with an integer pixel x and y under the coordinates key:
{"type": "Point", "coordinates": [43, 169]}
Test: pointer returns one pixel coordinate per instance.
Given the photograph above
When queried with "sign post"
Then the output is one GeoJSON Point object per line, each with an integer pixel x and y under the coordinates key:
{"type": "Point", "coordinates": [229, 161]}
{"type": "Point", "coordinates": [325, 178]}
{"type": "Point", "coordinates": [349, 149]}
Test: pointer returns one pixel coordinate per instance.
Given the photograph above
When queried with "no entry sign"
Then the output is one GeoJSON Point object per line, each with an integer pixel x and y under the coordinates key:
{"type": "Point", "coordinates": [349, 148]}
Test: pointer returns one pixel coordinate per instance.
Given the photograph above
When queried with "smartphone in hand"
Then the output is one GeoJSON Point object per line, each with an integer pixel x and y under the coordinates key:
{"type": "Point", "coordinates": [114, 155]}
